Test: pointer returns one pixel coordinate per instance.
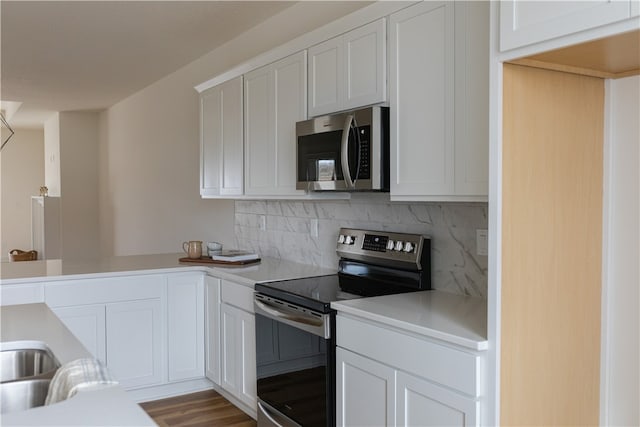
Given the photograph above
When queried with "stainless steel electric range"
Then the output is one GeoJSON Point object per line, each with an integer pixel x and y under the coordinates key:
{"type": "Point", "coordinates": [295, 325]}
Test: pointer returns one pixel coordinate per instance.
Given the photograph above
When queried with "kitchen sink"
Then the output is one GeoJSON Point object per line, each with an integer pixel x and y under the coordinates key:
{"type": "Point", "coordinates": [26, 370]}
{"type": "Point", "coordinates": [22, 395]}
{"type": "Point", "coordinates": [24, 363]}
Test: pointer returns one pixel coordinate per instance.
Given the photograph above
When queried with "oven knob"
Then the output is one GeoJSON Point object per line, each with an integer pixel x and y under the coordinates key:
{"type": "Point", "coordinates": [348, 240]}
{"type": "Point", "coordinates": [390, 245]}
{"type": "Point", "coordinates": [399, 245]}
{"type": "Point", "coordinates": [341, 239]}
{"type": "Point", "coordinates": [408, 247]}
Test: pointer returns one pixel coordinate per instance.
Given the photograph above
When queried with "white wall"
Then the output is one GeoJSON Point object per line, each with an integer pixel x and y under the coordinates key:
{"type": "Point", "coordinates": [621, 339]}
{"type": "Point", "coordinates": [22, 175]}
{"type": "Point", "coordinates": [79, 213]}
{"type": "Point", "coordinates": [149, 147]}
{"type": "Point", "coordinates": [52, 154]}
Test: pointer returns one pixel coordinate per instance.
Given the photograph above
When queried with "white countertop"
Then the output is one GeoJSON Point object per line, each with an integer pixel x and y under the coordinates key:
{"type": "Point", "coordinates": [109, 406]}
{"type": "Point", "coordinates": [268, 269]}
{"type": "Point", "coordinates": [456, 319]}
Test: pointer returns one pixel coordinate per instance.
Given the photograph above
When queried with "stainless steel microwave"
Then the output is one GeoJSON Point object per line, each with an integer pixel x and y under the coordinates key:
{"type": "Point", "coordinates": [347, 151]}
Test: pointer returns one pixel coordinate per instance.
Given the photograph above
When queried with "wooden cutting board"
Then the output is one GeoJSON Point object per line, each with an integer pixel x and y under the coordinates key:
{"type": "Point", "coordinates": [208, 260]}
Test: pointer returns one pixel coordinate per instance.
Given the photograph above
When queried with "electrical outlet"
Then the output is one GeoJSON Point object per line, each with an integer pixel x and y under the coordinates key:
{"type": "Point", "coordinates": [482, 242]}
{"type": "Point", "coordinates": [262, 222]}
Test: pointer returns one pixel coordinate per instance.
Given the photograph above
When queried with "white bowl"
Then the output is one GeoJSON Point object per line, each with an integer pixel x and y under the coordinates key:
{"type": "Point", "coordinates": [214, 247]}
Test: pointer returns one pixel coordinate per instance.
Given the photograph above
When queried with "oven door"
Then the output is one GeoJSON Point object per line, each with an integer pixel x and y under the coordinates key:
{"type": "Point", "coordinates": [295, 365]}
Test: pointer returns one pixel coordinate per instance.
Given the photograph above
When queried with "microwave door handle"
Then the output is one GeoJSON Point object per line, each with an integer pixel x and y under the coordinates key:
{"type": "Point", "coordinates": [344, 151]}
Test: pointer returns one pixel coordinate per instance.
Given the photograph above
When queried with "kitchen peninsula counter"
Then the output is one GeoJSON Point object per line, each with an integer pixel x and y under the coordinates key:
{"type": "Point", "coordinates": [110, 406]}
{"type": "Point", "coordinates": [268, 269]}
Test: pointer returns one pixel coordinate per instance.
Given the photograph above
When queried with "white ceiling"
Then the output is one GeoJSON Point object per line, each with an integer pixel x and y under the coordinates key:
{"type": "Point", "coordinates": [88, 55]}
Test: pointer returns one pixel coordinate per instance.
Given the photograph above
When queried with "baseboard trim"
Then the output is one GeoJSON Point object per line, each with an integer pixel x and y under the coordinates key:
{"type": "Point", "coordinates": [170, 390]}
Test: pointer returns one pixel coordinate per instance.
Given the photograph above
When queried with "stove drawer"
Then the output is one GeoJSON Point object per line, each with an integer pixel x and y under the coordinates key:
{"type": "Point", "coordinates": [421, 356]}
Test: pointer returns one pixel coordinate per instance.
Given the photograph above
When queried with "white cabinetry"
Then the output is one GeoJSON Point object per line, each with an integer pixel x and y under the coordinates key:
{"type": "Point", "coordinates": [185, 326]}
{"type": "Point", "coordinates": [212, 328]}
{"type": "Point", "coordinates": [525, 22]}
{"type": "Point", "coordinates": [237, 343]}
{"type": "Point", "coordinates": [221, 140]}
{"type": "Point", "coordinates": [348, 71]}
{"type": "Point", "coordinates": [134, 342]}
{"type": "Point", "coordinates": [25, 293]}
{"type": "Point", "coordinates": [87, 322]}
{"type": "Point", "coordinates": [396, 388]}
{"type": "Point", "coordinates": [275, 98]}
{"type": "Point", "coordinates": [365, 391]}
{"type": "Point", "coordinates": [439, 77]}
{"type": "Point", "coordinates": [119, 320]}
{"type": "Point", "coordinates": [422, 403]}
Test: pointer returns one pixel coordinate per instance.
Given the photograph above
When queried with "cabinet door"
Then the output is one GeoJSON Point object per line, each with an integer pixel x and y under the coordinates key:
{"type": "Point", "coordinates": [365, 51]}
{"type": "Point", "coordinates": [87, 323]}
{"type": "Point", "coordinates": [275, 99]}
{"type": "Point", "coordinates": [326, 77]}
{"type": "Point", "coordinates": [364, 391]}
{"type": "Point", "coordinates": [210, 141]}
{"type": "Point", "coordinates": [221, 150]}
{"type": "Point", "coordinates": [134, 342]}
{"type": "Point", "coordinates": [524, 22]}
{"type": "Point", "coordinates": [212, 328]}
{"type": "Point", "coordinates": [421, 101]}
{"type": "Point", "coordinates": [471, 99]}
{"type": "Point", "coordinates": [290, 106]}
{"type": "Point", "coordinates": [238, 353]}
{"type": "Point", "coordinates": [185, 323]}
{"type": "Point", "coordinates": [421, 403]}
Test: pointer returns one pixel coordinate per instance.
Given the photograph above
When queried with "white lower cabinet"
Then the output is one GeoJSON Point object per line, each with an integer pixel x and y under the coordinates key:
{"type": "Point", "coordinates": [87, 322]}
{"type": "Point", "coordinates": [238, 353]}
{"type": "Point", "coordinates": [185, 326]}
{"type": "Point", "coordinates": [422, 403]}
{"type": "Point", "coordinates": [120, 320]}
{"type": "Point", "coordinates": [364, 391]}
{"type": "Point", "coordinates": [212, 328]}
{"type": "Point", "coordinates": [424, 384]}
{"type": "Point", "coordinates": [134, 342]}
{"type": "Point", "coordinates": [127, 336]}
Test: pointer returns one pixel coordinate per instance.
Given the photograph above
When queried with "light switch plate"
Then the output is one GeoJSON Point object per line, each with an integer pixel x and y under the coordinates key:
{"type": "Point", "coordinates": [262, 221]}
{"type": "Point", "coordinates": [482, 242]}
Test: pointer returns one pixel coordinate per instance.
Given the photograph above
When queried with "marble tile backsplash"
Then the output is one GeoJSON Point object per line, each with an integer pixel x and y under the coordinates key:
{"type": "Point", "coordinates": [287, 230]}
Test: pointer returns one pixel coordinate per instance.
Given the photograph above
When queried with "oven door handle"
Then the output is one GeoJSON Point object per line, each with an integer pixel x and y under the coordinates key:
{"type": "Point", "coordinates": [305, 322]}
{"type": "Point", "coordinates": [273, 417]}
{"type": "Point", "coordinates": [344, 151]}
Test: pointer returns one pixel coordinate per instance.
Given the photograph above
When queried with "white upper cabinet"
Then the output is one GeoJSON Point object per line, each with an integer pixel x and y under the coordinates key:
{"type": "Point", "coordinates": [525, 22]}
{"type": "Point", "coordinates": [221, 145]}
{"type": "Point", "coordinates": [439, 78]}
{"type": "Point", "coordinates": [348, 71]}
{"type": "Point", "coordinates": [275, 98]}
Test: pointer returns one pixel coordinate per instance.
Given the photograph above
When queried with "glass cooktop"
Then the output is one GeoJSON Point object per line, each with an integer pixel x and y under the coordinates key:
{"type": "Point", "coordinates": [315, 293]}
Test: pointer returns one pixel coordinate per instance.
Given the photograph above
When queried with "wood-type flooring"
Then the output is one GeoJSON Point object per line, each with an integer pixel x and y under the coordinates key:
{"type": "Point", "coordinates": [205, 408]}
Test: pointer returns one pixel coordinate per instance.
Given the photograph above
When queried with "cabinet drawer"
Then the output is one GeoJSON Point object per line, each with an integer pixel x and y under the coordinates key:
{"type": "Point", "coordinates": [104, 290]}
{"type": "Point", "coordinates": [448, 366]}
{"type": "Point", "coordinates": [21, 294]}
{"type": "Point", "coordinates": [238, 295]}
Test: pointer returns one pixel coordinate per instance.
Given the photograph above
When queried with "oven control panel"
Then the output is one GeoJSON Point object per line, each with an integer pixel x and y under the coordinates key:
{"type": "Point", "coordinates": [381, 246]}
